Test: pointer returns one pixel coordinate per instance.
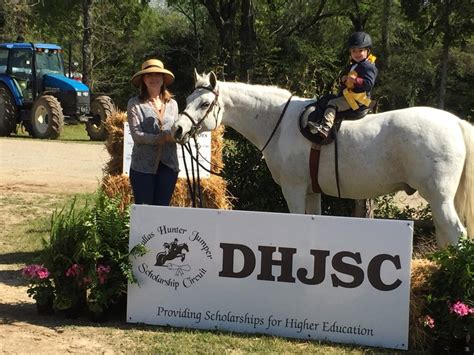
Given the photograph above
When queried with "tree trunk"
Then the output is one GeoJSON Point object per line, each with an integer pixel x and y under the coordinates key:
{"type": "Point", "coordinates": [87, 43]}
{"type": "Point", "coordinates": [445, 57]}
{"type": "Point", "coordinates": [444, 73]}
{"type": "Point", "coordinates": [247, 40]}
{"type": "Point", "coordinates": [385, 45]}
{"type": "Point", "coordinates": [444, 68]}
{"type": "Point", "coordinates": [223, 16]}
{"type": "Point", "coordinates": [364, 208]}
{"type": "Point", "coordinates": [196, 34]}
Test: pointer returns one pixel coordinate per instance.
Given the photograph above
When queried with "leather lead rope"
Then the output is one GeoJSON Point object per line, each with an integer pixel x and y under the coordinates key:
{"type": "Point", "coordinates": [336, 162]}
{"type": "Point", "coordinates": [194, 183]}
{"type": "Point", "coordinates": [188, 180]}
{"type": "Point", "coordinates": [197, 171]}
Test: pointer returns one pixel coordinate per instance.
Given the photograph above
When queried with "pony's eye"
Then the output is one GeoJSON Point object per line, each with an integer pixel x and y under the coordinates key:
{"type": "Point", "coordinates": [205, 104]}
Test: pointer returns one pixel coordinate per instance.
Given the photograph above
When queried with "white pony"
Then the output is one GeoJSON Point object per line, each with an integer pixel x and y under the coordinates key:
{"type": "Point", "coordinates": [417, 148]}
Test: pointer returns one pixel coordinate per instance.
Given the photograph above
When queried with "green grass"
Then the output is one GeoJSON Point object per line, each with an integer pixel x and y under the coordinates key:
{"type": "Point", "coordinates": [70, 132]}
{"type": "Point", "coordinates": [28, 222]}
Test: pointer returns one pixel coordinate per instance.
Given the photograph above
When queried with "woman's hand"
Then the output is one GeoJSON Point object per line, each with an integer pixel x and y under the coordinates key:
{"type": "Point", "coordinates": [167, 138]}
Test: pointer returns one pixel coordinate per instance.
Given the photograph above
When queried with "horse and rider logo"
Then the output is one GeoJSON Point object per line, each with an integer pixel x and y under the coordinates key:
{"type": "Point", "coordinates": [172, 251]}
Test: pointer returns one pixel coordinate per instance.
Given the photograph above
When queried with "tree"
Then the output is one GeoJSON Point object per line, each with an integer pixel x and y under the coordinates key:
{"type": "Point", "coordinates": [223, 15]}
{"type": "Point", "coordinates": [87, 42]}
{"type": "Point", "coordinates": [448, 21]}
{"type": "Point", "coordinates": [248, 39]}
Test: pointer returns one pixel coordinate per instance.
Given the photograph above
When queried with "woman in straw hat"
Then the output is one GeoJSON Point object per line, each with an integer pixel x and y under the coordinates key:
{"type": "Point", "coordinates": [154, 166]}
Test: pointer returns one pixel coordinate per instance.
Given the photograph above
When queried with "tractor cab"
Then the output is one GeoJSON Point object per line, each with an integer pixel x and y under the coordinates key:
{"type": "Point", "coordinates": [35, 92]}
{"type": "Point", "coordinates": [27, 65]}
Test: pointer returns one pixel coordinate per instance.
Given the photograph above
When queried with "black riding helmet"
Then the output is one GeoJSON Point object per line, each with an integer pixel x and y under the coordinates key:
{"type": "Point", "coordinates": [359, 40]}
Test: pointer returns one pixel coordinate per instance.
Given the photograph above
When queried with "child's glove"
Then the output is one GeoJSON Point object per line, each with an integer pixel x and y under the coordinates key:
{"type": "Point", "coordinates": [350, 79]}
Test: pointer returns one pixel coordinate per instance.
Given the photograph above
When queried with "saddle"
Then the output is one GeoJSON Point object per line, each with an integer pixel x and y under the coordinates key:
{"type": "Point", "coordinates": [314, 113]}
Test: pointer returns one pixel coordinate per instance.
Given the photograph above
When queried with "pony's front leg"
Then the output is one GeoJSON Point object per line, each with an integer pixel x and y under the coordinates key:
{"type": "Point", "coordinates": [295, 197]}
{"type": "Point", "coordinates": [313, 203]}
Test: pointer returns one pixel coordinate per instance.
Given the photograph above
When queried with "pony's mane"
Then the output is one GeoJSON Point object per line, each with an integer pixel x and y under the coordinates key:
{"type": "Point", "coordinates": [261, 89]}
{"type": "Point", "coordinates": [247, 88]}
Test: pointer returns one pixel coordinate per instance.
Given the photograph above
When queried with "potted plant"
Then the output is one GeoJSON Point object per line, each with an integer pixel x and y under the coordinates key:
{"type": "Point", "coordinates": [62, 255]}
{"type": "Point", "coordinates": [109, 268]}
{"type": "Point", "coordinates": [450, 305]}
{"type": "Point", "coordinates": [40, 287]}
{"type": "Point", "coordinates": [88, 257]}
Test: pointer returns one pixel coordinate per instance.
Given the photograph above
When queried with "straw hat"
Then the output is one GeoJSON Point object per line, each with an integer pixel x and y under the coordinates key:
{"type": "Point", "coordinates": [153, 66]}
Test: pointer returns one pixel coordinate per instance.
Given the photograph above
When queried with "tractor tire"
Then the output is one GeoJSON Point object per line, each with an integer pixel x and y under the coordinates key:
{"type": "Point", "coordinates": [8, 112]}
{"type": "Point", "coordinates": [47, 119]}
{"type": "Point", "coordinates": [101, 108]}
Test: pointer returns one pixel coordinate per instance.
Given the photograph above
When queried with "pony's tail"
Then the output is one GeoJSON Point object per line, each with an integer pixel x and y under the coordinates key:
{"type": "Point", "coordinates": [464, 199]}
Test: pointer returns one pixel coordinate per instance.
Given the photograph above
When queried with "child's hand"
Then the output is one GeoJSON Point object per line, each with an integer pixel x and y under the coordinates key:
{"type": "Point", "coordinates": [351, 79]}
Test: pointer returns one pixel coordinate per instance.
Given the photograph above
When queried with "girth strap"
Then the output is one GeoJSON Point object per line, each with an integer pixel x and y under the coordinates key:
{"type": "Point", "coordinates": [313, 169]}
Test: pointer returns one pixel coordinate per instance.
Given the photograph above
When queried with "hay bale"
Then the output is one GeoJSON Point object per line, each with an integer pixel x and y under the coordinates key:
{"type": "Point", "coordinates": [114, 185]}
{"type": "Point", "coordinates": [114, 142]}
{"type": "Point", "coordinates": [421, 272]}
{"type": "Point", "coordinates": [214, 194]}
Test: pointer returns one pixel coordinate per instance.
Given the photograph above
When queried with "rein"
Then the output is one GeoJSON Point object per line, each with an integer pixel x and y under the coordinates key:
{"type": "Point", "coordinates": [193, 185]}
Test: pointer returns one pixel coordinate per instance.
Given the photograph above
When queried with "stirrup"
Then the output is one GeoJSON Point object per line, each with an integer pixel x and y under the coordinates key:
{"type": "Point", "coordinates": [321, 130]}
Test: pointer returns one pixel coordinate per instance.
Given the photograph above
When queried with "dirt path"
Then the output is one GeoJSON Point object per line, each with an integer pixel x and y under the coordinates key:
{"type": "Point", "coordinates": [50, 166]}
{"type": "Point", "coordinates": [31, 170]}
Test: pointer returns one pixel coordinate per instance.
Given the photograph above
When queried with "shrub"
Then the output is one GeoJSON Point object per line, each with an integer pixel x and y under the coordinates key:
{"type": "Point", "coordinates": [87, 255]}
{"type": "Point", "coordinates": [450, 305]}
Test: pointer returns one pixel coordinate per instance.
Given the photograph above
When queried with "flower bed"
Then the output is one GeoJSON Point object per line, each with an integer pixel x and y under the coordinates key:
{"type": "Point", "coordinates": [449, 317]}
{"type": "Point", "coordinates": [85, 265]}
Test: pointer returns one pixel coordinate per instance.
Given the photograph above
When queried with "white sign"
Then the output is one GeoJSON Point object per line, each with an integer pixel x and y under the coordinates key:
{"type": "Point", "coordinates": [204, 142]}
{"type": "Point", "coordinates": [311, 277]}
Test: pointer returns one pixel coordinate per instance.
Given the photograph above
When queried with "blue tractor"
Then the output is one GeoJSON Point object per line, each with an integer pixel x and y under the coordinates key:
{"type": "Point", "coordinates": [36, 93]}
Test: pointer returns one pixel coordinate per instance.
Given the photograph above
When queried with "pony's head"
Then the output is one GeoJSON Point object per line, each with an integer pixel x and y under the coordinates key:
{"type": "Point", "coordinates": [203, 111]}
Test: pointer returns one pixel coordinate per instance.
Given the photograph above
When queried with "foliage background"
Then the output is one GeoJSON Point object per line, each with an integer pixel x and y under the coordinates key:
{"type": "Point", "coordinates": [424, 49]}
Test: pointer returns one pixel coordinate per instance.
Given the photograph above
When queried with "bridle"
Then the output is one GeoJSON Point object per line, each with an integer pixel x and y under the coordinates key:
{"type": "Point", "coordinates": [194, 184]}
{"type": "Point", "coordinates": [196, 124]}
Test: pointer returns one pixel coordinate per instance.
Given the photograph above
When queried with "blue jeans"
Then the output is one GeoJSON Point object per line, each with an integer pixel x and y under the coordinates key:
{"type": "Point", "coordinates": [153, 189]}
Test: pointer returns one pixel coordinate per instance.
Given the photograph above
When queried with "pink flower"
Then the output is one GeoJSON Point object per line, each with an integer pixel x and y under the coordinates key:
{"type": "Point", "coordinates": [74, 270]}
{"type": "Point", "coordinates": [35, 271]}
{"type": "Point", "coordinates": [102, 271]}
{"type": "Point", "coordinates": [460, 309]}
{"type": "Point", "coordinates": [43, 273]}
{"type": "Point", "coordinates": [429, 322]}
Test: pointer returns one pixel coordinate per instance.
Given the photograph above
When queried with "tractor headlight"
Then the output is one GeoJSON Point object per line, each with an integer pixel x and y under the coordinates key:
{"type": "Point", "coordinates": [82, 93]}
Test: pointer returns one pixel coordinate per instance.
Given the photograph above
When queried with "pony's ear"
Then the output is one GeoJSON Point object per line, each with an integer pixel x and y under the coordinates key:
{"type": "Point", "coordinates": [213, 79]}
{"type": "Point", "coordinates": [196, 76]}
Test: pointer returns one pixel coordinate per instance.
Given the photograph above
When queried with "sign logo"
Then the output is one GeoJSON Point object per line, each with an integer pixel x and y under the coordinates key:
{"type": "Point", "coordinates": [173, 251]}
{"type": "Point", "coordinates": [180, 262]}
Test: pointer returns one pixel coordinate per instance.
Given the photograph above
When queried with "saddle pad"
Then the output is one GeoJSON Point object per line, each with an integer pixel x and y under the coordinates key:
{"type": "Point", "coordinates": [313, 169]}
